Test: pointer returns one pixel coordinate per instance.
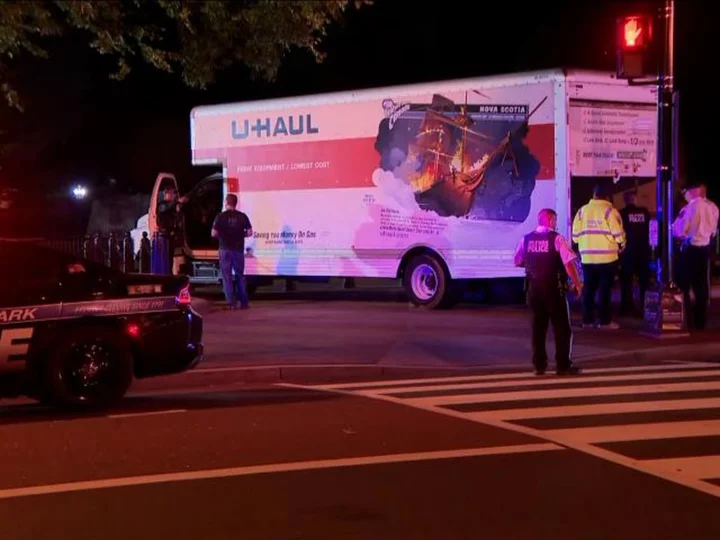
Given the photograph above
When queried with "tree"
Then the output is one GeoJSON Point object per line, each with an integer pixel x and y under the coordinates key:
{"type": "Point", "coordinates": [196, 39]}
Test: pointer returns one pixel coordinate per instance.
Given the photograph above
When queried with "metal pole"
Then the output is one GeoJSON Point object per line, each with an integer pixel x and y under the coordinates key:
{"type": "Point", "coordinates": [673, 98]}
{"type": "Point", "coordinates": [673, 181]}
{"type": "Point", "coordinates": [665, 159]}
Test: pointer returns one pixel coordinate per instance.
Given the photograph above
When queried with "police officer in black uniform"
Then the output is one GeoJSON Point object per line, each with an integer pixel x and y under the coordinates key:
{"type": "Point", "coordinates": [171, 223]}
{"type": "Point", "coordinates": [635, 258]}
{"type": "Point", "coordinates": [548, 261]}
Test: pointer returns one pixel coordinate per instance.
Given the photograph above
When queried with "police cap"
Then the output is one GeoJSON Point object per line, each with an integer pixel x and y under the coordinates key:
{"type": "Point", "coordinates": [692, 185]}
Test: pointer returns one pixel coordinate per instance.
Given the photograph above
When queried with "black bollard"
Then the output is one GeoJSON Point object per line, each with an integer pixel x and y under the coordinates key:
{"type": "Point", "coordinates": [97, 249]}
{"type": "Point", "coordinates": [144, 254]}
{"type": "Point", "coordinates": [87, 247]}
{"type": "Point", "coordinates": [113, 252]}
{"type": "Point", "coordinates": [128, 254]}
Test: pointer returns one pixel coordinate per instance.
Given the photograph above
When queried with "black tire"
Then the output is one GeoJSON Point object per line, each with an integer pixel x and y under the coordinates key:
{"type": "Point", "coordinates": [427, 283]}
{"type": "Point", "coordinates": [88, 368]}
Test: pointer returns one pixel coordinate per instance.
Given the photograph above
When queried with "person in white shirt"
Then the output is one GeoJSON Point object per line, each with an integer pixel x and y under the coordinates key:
{"type": "Point", "coordinates": [695, 227]}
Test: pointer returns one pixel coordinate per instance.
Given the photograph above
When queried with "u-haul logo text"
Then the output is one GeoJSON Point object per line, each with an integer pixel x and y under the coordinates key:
{"type": "Point", "coordinates": [274, 127]}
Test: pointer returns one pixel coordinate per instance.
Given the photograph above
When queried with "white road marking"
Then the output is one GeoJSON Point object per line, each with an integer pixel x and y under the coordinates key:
{"type": "Point", "coordinates": [150, 413]}
{"type": "Point", "coordinates": [560, 393]}
{"type": "Point", "coordinates": [500, 376]}
{"type": "Point", "coordinates": [690, 472]}
{"type": "Point", "coordinates": [273, 367]}
{"type": "Point", "coordinates": [637, 432]}
{"type": "Point", "coordinates": [273, 468]}
{"type": "Point", "coordinates": [703, 467]}
{"type": "Point", "coordinates": [602, 408]}
{"type": "Point", "coordinates": [550, 381]}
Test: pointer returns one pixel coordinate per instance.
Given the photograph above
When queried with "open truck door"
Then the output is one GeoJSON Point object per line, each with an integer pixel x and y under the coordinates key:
{"type": "Point", "coordinates": [163, 182]}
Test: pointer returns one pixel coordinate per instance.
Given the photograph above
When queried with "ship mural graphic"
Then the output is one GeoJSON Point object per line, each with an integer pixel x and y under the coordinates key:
{"type": "Point", "coordinates": [461, 160]}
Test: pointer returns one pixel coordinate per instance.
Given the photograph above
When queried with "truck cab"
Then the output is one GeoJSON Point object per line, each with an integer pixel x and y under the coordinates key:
{"type": "Point", "coordinates": [198, 256]}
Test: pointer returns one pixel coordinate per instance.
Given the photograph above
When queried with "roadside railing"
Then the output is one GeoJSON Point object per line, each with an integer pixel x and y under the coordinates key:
{"type": "Point", "coordinates": [118, 251]}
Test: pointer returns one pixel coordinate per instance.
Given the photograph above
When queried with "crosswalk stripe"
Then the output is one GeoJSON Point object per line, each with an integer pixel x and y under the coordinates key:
{"type": "Point", "coordinates": [507, 376]}
{"type": "Point", "coordinates": [701, 467]}
{"type": "Point", "coordinates": [604, 408]}
{"type": "Point", "coordinates": [637, 432]}
{"type": "Point", "coordinates": [560, 393]}
{"type": "Point", "coordinates": [539, 381]}
{"type": "Point", "coordinates": [595, 425]}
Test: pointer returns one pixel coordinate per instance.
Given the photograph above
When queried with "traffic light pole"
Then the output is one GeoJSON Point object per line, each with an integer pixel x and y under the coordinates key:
{"type": "Point", "coordinates": [664, 305]}
{"type": "Point", "coordinates": [665, 151]}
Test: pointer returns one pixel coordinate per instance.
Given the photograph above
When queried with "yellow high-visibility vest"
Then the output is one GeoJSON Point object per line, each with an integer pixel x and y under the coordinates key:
{"type": "Point", "coordinates": [598, 231]}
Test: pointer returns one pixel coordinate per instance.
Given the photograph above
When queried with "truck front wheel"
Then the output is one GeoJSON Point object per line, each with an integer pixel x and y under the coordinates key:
{"type": "Point", "coordinates": [426, 282]}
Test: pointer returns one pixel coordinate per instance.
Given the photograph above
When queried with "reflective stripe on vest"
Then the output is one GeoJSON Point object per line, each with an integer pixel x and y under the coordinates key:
{"type": "Point", "coordinates": [597, 243]}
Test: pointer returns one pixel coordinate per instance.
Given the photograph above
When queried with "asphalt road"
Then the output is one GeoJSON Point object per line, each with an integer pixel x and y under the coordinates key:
{"type": "Point", "coordinates": [622, 452]}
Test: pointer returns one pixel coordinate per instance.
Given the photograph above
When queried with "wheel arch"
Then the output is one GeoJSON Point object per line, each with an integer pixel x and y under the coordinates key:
{"type": "Point", "coordinates": [52, 335]}
{"type": "Point", "coordinates": [421, 249]}
{"type": "Point", "coordinates": [51, 387]}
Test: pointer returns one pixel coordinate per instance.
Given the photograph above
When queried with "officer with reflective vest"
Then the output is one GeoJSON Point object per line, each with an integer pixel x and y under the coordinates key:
{"type": "Point", "coordinates": [599, 233]}
{"type": "Point", "coordinates": [635, 258]}
{"type": "Point", "coordinates": [695, 227]}
{"type": "Point", "coordinates": [548, 260]}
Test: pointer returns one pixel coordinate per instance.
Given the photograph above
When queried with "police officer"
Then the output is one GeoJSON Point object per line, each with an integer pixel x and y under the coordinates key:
{"type": "Point", "coordinates": [635, 258]}
{"type": "Point", "coordinates": [548, 260]}
{"type": "Point", "coordinates": [695, 227]}
{"type": "Point", "coordinates": [171, 224]}
{"type": "Point", "coordinates": [599, 233]}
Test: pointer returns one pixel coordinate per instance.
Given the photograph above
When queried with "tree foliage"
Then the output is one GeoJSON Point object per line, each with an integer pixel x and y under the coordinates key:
{"type": "Point", "coordinates": [196, 39]}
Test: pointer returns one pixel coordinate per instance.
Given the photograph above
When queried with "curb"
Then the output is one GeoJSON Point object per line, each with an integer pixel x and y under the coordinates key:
{"type": "Point", "coordinates": [700, 352]}
{"type": "Point", "coordinates": [705, 352]}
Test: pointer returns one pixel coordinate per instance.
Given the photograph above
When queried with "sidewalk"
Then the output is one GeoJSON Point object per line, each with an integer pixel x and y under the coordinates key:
{"type": "Point", "coordinates": [336, 337]}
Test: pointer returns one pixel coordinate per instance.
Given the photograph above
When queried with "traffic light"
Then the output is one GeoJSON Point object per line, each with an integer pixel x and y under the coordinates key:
{"type": "Point", "coordinates": [634, 45]}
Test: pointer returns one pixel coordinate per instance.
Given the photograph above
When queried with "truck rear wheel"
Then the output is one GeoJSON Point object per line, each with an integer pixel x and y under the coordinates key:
{"type": "Point", "coordinates": [88, 368]}
{"type": "Point", "coordinates": [427, 283]}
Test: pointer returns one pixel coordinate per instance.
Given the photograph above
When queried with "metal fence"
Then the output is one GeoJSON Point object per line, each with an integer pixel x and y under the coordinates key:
{"type": "Point", "coordinates": [118, 251]}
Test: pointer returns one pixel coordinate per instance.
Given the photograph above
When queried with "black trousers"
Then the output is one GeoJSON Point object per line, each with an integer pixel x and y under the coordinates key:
{"type": "Point", "coordinates": [598, 278]}
{"type": "Point", "coordinates": [550, 307]}
{"type": "Point", "coordinates": [694, 274]}
{"type": "Point", "coordinates": [633, 264]}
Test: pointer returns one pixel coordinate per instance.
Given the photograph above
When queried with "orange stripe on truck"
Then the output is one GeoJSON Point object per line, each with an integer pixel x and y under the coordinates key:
{"type": "Point", "coordinates": [331, 164]}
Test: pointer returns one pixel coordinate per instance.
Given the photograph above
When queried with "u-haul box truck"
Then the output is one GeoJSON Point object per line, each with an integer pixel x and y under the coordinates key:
{"type": "Point", "coordinates": [431, 183]}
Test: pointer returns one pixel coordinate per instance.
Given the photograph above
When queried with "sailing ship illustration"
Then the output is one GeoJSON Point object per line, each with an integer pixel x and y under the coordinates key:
{"type": "Point", "coordinates": [450, 169]}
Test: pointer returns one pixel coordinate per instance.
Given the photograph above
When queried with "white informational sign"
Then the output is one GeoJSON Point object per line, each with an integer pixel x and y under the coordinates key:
{"type": "Point", "coordinates": [613, 139]}
{"type": "Point", "coordinates": [653, 233]}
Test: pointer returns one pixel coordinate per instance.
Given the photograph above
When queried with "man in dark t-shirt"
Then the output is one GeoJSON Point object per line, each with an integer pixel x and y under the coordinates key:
{"type": "Point", "coordinates": [231, 227]}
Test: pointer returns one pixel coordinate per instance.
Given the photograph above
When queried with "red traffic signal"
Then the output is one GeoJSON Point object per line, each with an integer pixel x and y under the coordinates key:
{"type": "Point", "coordinates": [634, 46]}
{"type": "Point", "coordinates": [634, 32]}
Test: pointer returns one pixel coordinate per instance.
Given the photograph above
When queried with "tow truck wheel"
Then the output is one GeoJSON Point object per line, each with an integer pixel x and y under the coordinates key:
{"type": "Point", "coordinates": [426, 282]}
{"type": "Point", "coordinates": [88, 368]}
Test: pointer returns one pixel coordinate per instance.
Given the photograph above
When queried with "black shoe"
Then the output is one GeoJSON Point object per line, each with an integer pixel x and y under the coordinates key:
{"type": "Point", "coordinates": [540, 371]}
{"type": "Point", "coordinates": [570, 370]}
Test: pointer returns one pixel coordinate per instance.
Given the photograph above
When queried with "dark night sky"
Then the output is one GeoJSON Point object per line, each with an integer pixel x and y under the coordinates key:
{"type": "Point", "coordinates": [80, 126]}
